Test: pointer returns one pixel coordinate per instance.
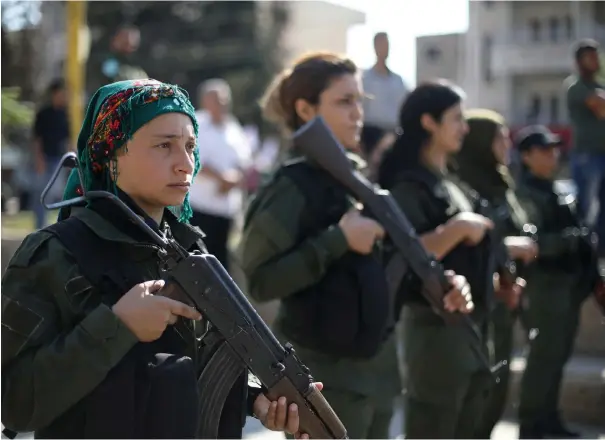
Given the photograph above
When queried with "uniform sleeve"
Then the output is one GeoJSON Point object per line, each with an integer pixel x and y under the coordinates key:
{"type": "Point", "coordinates": [411, 200]}
{"type": "Point", "coordinates": [274, 265]}
{"type": "Point", "coordinates": [550, 244]}
{"type": "Point", "coordinates": [48, 364]}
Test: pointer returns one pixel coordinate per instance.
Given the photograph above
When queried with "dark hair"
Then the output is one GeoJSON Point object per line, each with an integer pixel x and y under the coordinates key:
{"type": "Point", "coordinates": [585, 46]}
{"type": "Point", "coordinates": [307, 79]}
{"type": "Point", "coordinates": [432, 98]}
{"type": "Point", "coordinates": [380, 35]}
{"type": "Point", "coordinates": [56, 86]}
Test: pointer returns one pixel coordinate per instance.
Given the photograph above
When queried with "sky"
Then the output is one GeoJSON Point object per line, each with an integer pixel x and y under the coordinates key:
{"type": "Point", "coordinates": [403, 20]}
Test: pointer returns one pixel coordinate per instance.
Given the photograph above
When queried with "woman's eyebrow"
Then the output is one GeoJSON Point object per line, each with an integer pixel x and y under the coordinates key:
{"type": "Point", "coordinates": [171, 136]}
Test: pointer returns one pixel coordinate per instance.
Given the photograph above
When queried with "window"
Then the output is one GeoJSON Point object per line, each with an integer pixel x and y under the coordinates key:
{"type": "Point", "coordinates": [553, 25]}
{"type": "Point", "coordinates": [487, 49]}
{"type": "Point", "coordinates": [554, 109]}
{"type": "Point", "coordinates": [535, 28]}
{"type": "Point", "coordinates": [569, 30]}
{"type": "Point", "coordinates": [433, 54]}
{"type": "Point", "coordinates": [535, 108]}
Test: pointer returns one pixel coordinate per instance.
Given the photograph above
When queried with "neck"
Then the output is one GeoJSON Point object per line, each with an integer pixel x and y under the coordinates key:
{"type": "Point", "coordinates": [217, 118]}
{"type": "Point", "coordinates": [153, 212]}
{"type": "Point", "coordinates": [434, 157]}
{"type": "Point", "coordinates": [587, 76]}
{"type": "Point", "coordinates": [381, 66]}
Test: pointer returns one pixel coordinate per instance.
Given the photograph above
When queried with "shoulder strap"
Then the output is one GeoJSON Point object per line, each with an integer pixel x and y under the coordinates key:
{"type": "Point", "coordinates": [314, 187]}
{"type": "Point", "coordinates": [88, 249]}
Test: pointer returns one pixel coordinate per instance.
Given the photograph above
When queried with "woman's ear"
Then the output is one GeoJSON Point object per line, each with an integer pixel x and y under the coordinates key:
{"type": "Point", "coordinates": [428, 123]}
{"type": "Point", "coordinates": [304, 110]}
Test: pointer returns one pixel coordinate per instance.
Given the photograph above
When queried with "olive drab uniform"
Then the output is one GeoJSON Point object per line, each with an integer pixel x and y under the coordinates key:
{"type": "Point", "coordinates": [447, 384]}
{"type": "Point", "coordinates": [69, 364]}
{"type": "Point", "coordinates": [309, 271]}
{"type": "Point", "coordinates": [509, 218]}
{"type": "Point", "coordinates": [556, 288]}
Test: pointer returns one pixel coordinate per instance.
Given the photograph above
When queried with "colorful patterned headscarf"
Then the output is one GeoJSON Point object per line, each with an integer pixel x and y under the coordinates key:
{"type": "Point", "coordinates": [115, 113]}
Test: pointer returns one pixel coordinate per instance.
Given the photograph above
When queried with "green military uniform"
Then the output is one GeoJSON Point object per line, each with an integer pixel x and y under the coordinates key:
{"type": "Point", "coordinates": [361, 391]}
{"type": "Point", "coordinates": [477, 166]}
{"type": "Point", "coordinates": [554, 295]}
{"type": "Point", "coordinates": [446, 382]}
{"type": "Point", "coordinates": [45, 370]}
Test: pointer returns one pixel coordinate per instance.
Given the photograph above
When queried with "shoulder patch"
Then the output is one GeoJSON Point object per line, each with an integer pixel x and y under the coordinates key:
{"type": "Point", "coordinates": [29, 248]}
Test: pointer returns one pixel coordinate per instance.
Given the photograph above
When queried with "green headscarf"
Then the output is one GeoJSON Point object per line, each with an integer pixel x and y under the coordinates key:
{"type": "Point", "coordinates": [116, 111]}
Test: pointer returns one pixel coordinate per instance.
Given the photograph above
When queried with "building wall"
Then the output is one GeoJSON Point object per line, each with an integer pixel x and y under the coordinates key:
{"type": "Point", "coordinates": [318, 25]}
{"type": "Point", "coordinates": [515, 56]}
{"type": "Point", "coordinates": [440, 56]}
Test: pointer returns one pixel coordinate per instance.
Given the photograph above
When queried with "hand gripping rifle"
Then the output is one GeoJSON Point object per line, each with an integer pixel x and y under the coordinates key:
{"type": "Point", "coordinates": [201, 281]}
{"type": "Point", "coordinates": [316, 142]}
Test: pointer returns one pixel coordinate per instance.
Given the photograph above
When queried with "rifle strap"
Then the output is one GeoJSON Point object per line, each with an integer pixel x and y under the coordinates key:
{"type": "Point", "coordinates": [215, 383]}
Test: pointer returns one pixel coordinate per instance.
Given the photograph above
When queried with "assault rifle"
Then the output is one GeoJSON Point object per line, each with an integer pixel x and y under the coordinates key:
{"type": "Point", "coordinates": [201, 281]}
{"type": "Point", "coordinates": [317, 142]}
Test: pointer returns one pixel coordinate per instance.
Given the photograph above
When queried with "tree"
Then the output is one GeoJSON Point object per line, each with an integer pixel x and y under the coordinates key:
{"type": "Point", "coordinates": [19, 33]}
{"type": "Point", "coordinates": [188, 42]}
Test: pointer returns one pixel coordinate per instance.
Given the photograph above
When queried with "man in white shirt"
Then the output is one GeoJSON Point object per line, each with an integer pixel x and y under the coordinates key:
{"type": "Point", "coordinates": [385, 92]}
{"type": "Point", "coordinates": [217, 194]}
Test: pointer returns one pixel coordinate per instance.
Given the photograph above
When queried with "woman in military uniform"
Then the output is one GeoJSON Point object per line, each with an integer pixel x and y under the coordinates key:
{"type": "Point", "coordinates": [447, 381]}
{"type": "Point", "coordinates": [481, 164]}
{"type": "Point", "coordinates": [115, 360]}
{"type": "Point", "coordinates": [558, 282]}
{"type": "Point", "coordinates": [306, 244]}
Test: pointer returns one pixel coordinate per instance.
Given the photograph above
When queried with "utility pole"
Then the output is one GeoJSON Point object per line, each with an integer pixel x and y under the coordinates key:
{"type": "Point", "coordinates": [78, 44]}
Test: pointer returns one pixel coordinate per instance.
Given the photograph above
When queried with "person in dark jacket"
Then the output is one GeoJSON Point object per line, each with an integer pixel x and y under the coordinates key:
{"type": "Point", "coordinates": [481, 164]}
{"type": "Point", "coordinates": [79, 360]}
{"type": "Point", "coordinates": [558, 282]}
{"type": "Point", "coordinates": [447, 381]}
{"type": "Point", "coordinates": [306, 244]}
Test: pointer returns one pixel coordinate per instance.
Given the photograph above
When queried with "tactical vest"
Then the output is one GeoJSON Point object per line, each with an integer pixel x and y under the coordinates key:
{"type": "Point", "coordinates": [152, 392]}
{"type": "Point", "coordinates": [476, 263]}
{"type": "Point", "coordinates": [346, 313]}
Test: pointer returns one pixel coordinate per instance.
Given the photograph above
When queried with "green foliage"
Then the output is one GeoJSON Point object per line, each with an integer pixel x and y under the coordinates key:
{"type": "Point", "coordinates": [15, 114]}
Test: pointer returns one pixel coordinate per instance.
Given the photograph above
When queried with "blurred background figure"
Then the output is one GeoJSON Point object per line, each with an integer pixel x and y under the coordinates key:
{"type": "Point", "coordinates": [586, 105]}
{"type": "Point", "coordinates": [385, 91]}
{"type": "Point", "coordinates": [120, 63]}
{"type": "Point", "coordinates": [217, 193]}
{"type": "Point", "coordinates": [51, 141]}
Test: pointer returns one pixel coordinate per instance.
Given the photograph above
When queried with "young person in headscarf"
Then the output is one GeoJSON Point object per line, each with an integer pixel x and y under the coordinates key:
{"type": "Point", "coordinates": [116, 360]}
{"type": "Point", "coordinates": [481, 165]}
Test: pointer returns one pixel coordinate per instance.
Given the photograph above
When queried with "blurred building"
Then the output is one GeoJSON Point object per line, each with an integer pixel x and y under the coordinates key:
{"type": "Point", "coordinates": [245, 42]}
{"type": "Point", "coordinates": [515, 56]}
{"type": "Point", "coordinates": [318, 25]}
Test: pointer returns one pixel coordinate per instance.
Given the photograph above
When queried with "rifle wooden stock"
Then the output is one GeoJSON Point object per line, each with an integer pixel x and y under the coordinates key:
{"type": "Point", "coordinates": [202, 282]}
{"type": "Point", "coordinates": [317, 142]}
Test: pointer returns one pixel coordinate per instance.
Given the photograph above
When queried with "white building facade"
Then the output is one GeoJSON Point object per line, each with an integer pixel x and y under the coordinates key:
{"type": "Point", "coordinates": [515, 56]}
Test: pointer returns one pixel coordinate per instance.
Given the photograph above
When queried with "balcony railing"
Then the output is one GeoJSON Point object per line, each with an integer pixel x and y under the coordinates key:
{"type": "Point", "coordinates": [545, 35]}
